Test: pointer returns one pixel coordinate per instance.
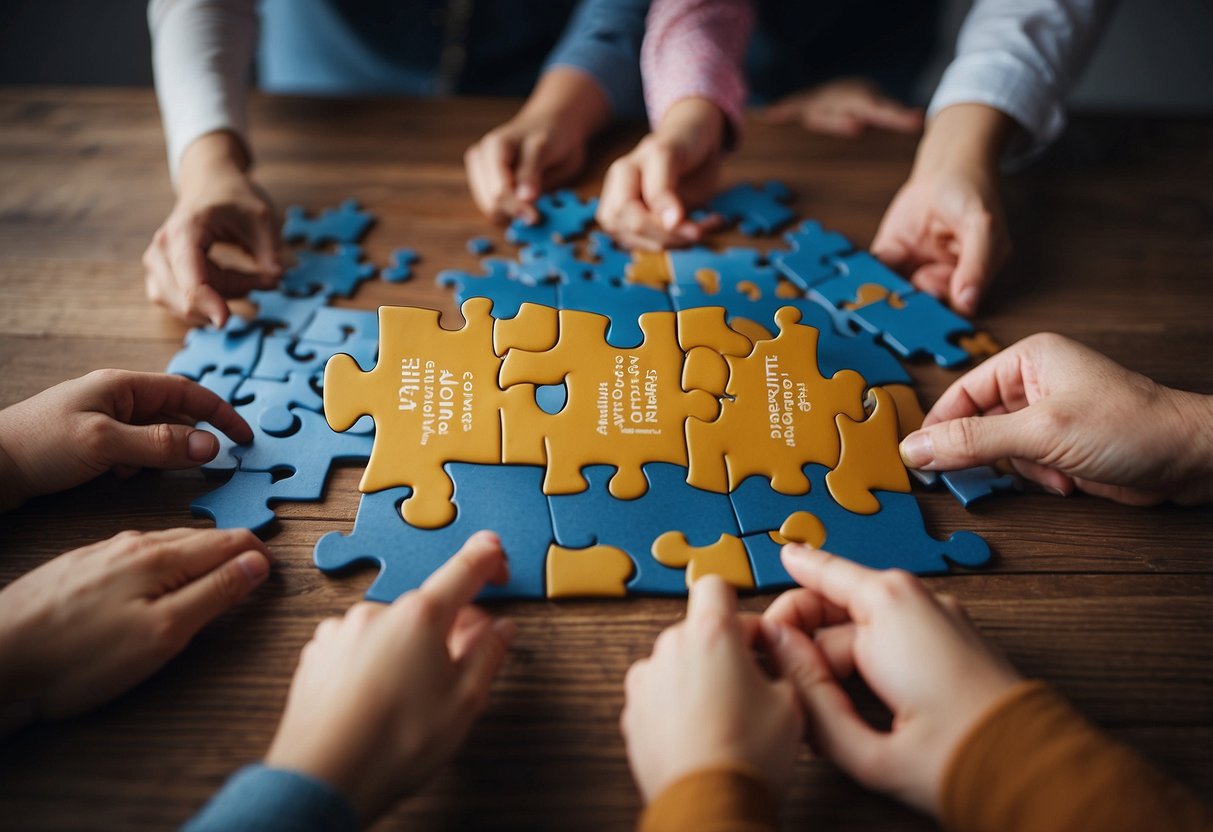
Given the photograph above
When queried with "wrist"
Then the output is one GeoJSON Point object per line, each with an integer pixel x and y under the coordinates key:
{"type": "Point", "coordinates": [13, 493]}
{"type": "Point", "coordinates": [964, 136]}
{"type": "Point", "coordinates": [213, 156]}
{"type": "Point", "coordinates": [1192, 427]}
{"type": "Point", "coordinates": [697, 124]}
{"type": "Point", "coordinates": [569, 98]}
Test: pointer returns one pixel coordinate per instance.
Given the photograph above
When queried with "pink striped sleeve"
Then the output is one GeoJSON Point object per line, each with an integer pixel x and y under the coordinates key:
{"type": "Point", "coordinates": [696, 49]}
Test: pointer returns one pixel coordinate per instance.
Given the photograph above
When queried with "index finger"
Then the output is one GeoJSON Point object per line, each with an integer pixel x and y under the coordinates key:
{"type": "Point", "coordinates": [837, 579]}
{"type": "Point", "coordinates": [996, 384]}
{"type": "Point", "coordinates": [457, 583]}
{"type": "Point", "coordinates": [157, 394]}
{"type": "Point", "coordinates": [711, 597]}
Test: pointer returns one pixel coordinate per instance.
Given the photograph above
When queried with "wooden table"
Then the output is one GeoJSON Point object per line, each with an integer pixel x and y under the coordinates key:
{"type": "Point", "coordinates": [1111, 604]}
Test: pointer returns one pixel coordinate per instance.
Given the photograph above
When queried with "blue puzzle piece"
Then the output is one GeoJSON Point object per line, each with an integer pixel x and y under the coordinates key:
{"type": "Point", "coordinates": [846, 350]}
{"type": "Point", "coordinates": [243, 502]}
{"type": "Point", "coordinates": [611, 262]}
{"type": "Point", "coordinates": [309, 451]}
{"type": "Point", "coordinates": [222, 384]}
{"type": "Point", "coordinates": [282, 356]}
{"type": "Point", "coordinates": [336, 326]}
{"type": "Point", "coordinates": [737, 303]}
{"type": "Point", "coordinates": [623, 304]}
{"type": "Point", "coordinates": [401, 268]}
{"type": "Point", "coordinates": [290, 314]}
{"type": "Point", "coordinates": [346, 224]}
{"type": "Point", "coordinates": [757, 210]}
{"type": "Point", "coordinates": [233, 348]}
{"type": "Point", "coordinates": [895, 536]}
{"type": "Point", "coordinates": [551, 398]}
{"type": "Point", "coordinates": [968, 485]}
{"type": "Point", "coordinates": [337, 274]}
{"type": "Point", "coordinates": [923, 326]}
{"type": "Point", "coordinates": [562, 216]}
{"type": "Point", "coordinates": [480, 246]}
{"type": "Point", "coordinates": [498, 286]}
{"type": "Point", "coordinates": [732, 266]}
{"type": "Point", "coordinates": [595, 517]}
{"type": "Point", "coordinates": [551, 263]}
{"type": "Point", "coordinates": [272, 401]}
{"type": "Point", "coordinates": [812, 257]}
{"type": "Point", "coordinates": [857, 270]}
{"type": "Point", "coordinates": [507, 499]}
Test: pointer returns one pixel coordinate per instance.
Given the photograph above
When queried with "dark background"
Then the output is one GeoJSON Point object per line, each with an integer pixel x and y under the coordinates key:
{"type": "Point", "coordinates": [1156, 57]}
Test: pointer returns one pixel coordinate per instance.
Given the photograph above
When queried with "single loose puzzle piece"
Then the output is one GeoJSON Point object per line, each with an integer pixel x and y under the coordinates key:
{"type": "Point", "coordinates": [757, 210]}
{"type": "Point", "coordinates": [562, 216]}
{"type": "Point", "coordinates": [610, 262]}
{"type": "Point", "coordinates": [649, 268]}
{"type": "Point", "coordinates": [894, 536]}
{"type": "Point", "coordinates": [622, 304]}
{"type": "Point", "coordinates": [726, 557]}
{"type": "Point", "coordinates": [498, 285]}
{"type": "Point", "coordinates": [593, 572]}
{"type": "Point", "coordinates": [869, 461]}
{"type": "Point", "coordinates": [434, 398]}
{"type": "Point", "coordinates": [625, 407]}
{"type": "Point", "coordinates": [402, 266]}
{"type": "Point", "coordinates": [923, 327]}
{"type": "Point", "coordinates": [479, 246]}
{"type": "Point", "coordinates": [346, 224]}
{"type": "Point", "coordinates": [781, 415]}
{"type": "Point", "coordinates": [233, 348]}
{"type": "Point", "coordinates": [243, 502]}
{"type": "Point", "coordinates": [337, 274]}
{"type": "Point", "coordinates": [506, 499]}
{"type": "Point", "coordinates": [812, 258]}
{"type": "Point", "coordinates": [669, 504]}
{"type": "Point", "coordinates": [290, 314]}
{"type": "Point", "coordinates": [968, 485]}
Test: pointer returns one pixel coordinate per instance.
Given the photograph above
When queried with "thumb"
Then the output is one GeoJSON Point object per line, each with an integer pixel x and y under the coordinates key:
{"type": "Point", "coordinates": [161, 446]}
{"type": "Point", "coordinates": [972, 440]}
{"type": "Point", "coordinates": [658, 182]}
{"type": "Point", "coordinates": [835, 729]}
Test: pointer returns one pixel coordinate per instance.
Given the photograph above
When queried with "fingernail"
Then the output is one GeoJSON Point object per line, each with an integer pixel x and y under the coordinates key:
{"type": "Point", "coordinates": [254, 565]}
{"type": "Point", "coordinates": [918, 450]}
{"type": "Point", "coordinates": [505, 629]}
{"type": "Point", "coordinates": [669, 218]}
{"type": "Point", "coordinates": [201, 446]}
{"type": "Point", "coordinates": [1056, 492]}
{"type": "Point", "coordinates": [526, 192]}
{"type": "Point", "coordinates": [488, 538]}
{"type": "Point", "coordinates": [968, 299]}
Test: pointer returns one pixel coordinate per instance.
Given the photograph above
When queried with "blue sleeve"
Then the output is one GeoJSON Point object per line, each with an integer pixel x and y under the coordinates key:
{"type": "Point", "coordinates": [260, 799]}
{"type": "Point", "coordinates": [603, 40]}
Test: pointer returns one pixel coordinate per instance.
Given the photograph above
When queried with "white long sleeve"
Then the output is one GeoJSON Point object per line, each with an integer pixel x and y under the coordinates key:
{"type": "Point", "coordinates": [202, 51]}
{"type": "Point", "coordinates": [1021, 57]}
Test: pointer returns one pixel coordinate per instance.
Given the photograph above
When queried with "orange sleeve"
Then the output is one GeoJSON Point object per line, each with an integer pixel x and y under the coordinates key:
{"type": "Point", "coordinates": [735, 799]}
{"type": "Point", "coordinates": [1033, 763]}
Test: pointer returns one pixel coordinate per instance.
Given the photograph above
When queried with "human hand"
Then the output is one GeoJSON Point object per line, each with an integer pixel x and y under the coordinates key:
{"type": "Point", "coordinates": [918, 652]}
{"type": "Point", "coordinates": [945, 228]}
{"type": "Point", "coordinates": [701, 700]}
{"type": "Point", "coordinates": [1068, 417]}
{"type": "Point", "coordinates": [92, 623]}
{"type": "Point", "coordinates": [646, 193]}
{"type": "Point", "coordinates": [108, 420]}
{"type": "Point", "coordinates": [541, 147]}
{"type": "Point", "coordinates": [217, 202]}
{"type": "Point", "coordinates": [386, 694]}
{"type": "Point", "coordinates": [844, 107]}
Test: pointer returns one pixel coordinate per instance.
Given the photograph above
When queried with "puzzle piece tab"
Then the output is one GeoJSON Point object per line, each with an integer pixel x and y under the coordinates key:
{"type": "Point", "coordinates": [757, 210]}
{"type": "Point", "coordinates": [924, 326]}
{"type": "Point", "coordinates": [338, 273]}
{"type": "Point", "coordinates": [345, 224]}
{"type": "Point", "coordinates": [562, 216]}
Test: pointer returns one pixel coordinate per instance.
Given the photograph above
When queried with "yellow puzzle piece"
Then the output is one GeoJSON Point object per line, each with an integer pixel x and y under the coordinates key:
{"type": "Point", "coordinates": [726, 557]}
{"type": "Point", "coordinates": [869, 460]}
{"type": "Point", "coordinates": [593, 572]}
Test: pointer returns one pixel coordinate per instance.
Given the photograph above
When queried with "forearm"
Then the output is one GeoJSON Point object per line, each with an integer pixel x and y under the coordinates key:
{"type": "Point", "coordinates": [201, 54]}
{"type": "Point", "coordinates": [14, 490]}
{"type": "Point", "coordinates": [602, 41]}
{"type": "Point", "coordinates": [969, 136]}
{"type": "Point", "coordinates": [1033, 763]}
{"type": "Point", "coordinates": [571, 98]}
{"type": "Point", "coordinates": [1191, 435]}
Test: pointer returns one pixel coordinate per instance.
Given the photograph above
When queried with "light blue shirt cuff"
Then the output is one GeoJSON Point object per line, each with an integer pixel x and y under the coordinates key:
{"type": "Point", "coordinates": [261, 799]}
{"type": "Point", "coordinates": [603, 41]}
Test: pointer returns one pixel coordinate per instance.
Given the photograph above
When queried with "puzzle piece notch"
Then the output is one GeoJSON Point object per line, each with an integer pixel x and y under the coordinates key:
{"type": "Point", "coordinates": [402, 266]}
{"type": "Point", "coordinates": [244, 501]}
{"type": "Point", "coordinates": [812, 257]}
{"type": "Point", "coordinates": [345, 224]}
{"type": "Point", "coordinates": [338, 273]}
{"type": "Point", "coordinates": [923, 326]}
{"type": "Point", "coordinates": [291, 314]}
{"type": "Point", "coordinates": [756, 210]}
{"type": "Point", "coordinates": [235, 347]}
{"type": "Point", "coordinates": [593, 572]}
{"type": "Point", "coordinates": [726, 558]}
{"type": "Point", "coordinates": [623, 305]}
{"type": "Point", "coordinates": [499, 285]}
{"type": "Point", "coordinates": [535, 328]}
{"type": "Point", "coordinates": [434, 397]}
{"type": "Point", "coordinates": [562, 217]}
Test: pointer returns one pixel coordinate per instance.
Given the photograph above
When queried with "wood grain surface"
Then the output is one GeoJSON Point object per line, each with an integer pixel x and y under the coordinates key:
{"type": "Point", "coordinates": [1110, 604]}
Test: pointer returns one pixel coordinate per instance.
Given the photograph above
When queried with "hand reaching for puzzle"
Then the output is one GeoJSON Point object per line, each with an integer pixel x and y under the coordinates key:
{"type": "Point", "coordinates": [108, 420]}
{"type": "Point", "coordinates": [90, 624]}
{"type": "Point", "coordinates": [217, 202]}
{"type": "Point", "coordinates": [386, 694]}
{"type": "Point", "coordinates": [945, 228]}
{"type": "Point", "coordinates": [918, 652]}
{"type": "Point", "coordinates": [701, 700]}
{"type": "Point", "coordinates": [647, 192]}
{"type": "Point", "coordinates": [541, 147]}
{"type": "Point", "coordinates": [844, 107]}
{"type": "Point", "coordinates": [1068, 417]}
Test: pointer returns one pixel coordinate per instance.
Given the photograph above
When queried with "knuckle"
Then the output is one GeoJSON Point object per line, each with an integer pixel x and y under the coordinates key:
{"type": "Point", "coordinates": [166, 635]}
{"type": "Point", "coordinates": [962, 434]}
{"type": "Point", "coordinates": [229, 584]}
{"type": "Point", "coordinates": [161, 438]}
{"type": "Point", "coordinates": [361, 614]}
{"type": "Point", "coordinates": [423, 609]}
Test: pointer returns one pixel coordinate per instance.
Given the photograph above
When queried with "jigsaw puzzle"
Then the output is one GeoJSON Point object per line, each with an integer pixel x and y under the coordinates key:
{"type": "Point", "coordinates": [626, 421]}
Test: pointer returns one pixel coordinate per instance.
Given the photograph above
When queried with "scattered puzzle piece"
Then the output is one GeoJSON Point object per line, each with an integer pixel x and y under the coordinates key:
{"type": "Point", "coordinates": [969, 485]}
{"type": "Point", "coordinates": [345, 224]}
{"type": "Point", "coordinates": [337, 274]}
{"type": "Point", "coordinates": [726, 557]}
{"type": "Point", "coordinates": [757, 210]}
{"type": "Point", "coordinates": [402, 266]}
{"type": "Point", "coordinates": [233, 348]}
{"type": "Point", "coordinates": [593, 572]}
